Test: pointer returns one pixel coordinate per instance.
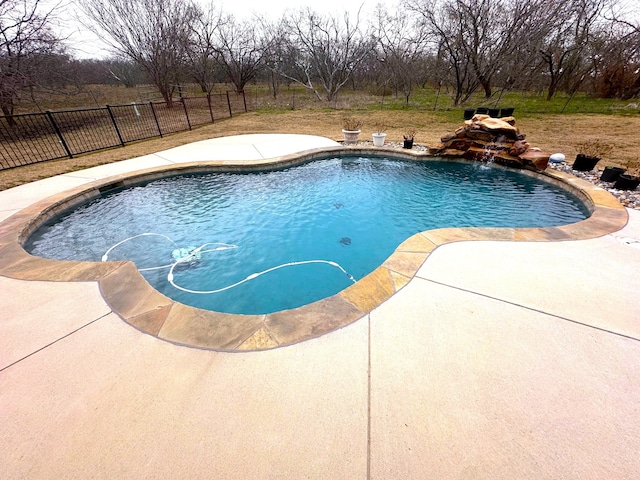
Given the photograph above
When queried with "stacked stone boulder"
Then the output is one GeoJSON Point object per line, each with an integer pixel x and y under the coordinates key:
{"type": "Point", "coordinates": [490, 139]}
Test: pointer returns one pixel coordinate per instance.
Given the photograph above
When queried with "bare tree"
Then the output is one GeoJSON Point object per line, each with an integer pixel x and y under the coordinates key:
{"type": "Point", "coordinates": [401, 49]}
{"type": "Point", "coordinates": [617, 72]}
{"type": "Point", "coordinates": [124, 72]}
{"type": "Point", "coordinates": [496, 28]}
{"type": "Point", "coordinates": [240, 49]}
{"type": "Point", "coordinates": [203, 66]}
{"type": "Point", "coordinates": [449, 43]}
{"type": "Point", "coordinates": [155, 34]}
{"type": "Point", "coordinates": [477, 38]}
{"type": "Point", "coordinates": [26, 38]}
{"type": "Point", "coordinates": [322, 49]}
{"type": "Point", "coordinates": [276, 48]}
{"type": "Point", "coordinates": [281, 57]}
{"type": "Point", "coordinates": [565, 47]}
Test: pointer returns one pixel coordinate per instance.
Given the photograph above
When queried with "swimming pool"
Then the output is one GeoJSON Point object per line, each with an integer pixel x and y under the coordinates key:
{"type": "Point", "coordinates": [350, 213]}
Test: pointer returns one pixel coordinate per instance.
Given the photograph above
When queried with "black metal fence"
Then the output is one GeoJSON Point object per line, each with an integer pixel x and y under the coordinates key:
{"type": "Point", "coordinates": [38, 137]}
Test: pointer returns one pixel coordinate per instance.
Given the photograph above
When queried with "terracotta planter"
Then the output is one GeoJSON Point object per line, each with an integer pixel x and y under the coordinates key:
{"type": "Point", "coordinates": [627, 182]}
{"type": "Point", "coordinates": [583, 163]}
{"type": "Point", "coordinates": [611, 174]}
{"type": "Point", "coordinates": [350, 136]}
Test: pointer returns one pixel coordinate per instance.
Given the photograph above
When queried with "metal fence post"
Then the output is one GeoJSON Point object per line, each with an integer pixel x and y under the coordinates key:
{"type": "Point", "coordinates": [58, 133]}
{"type": "Point", "coordinates": [186, 113]}
{"type": "Point", "coordinates": [79, 131]}
{"type": "Point", "coordinates": [229, 104]}
{"type": "Point", "coordinates": [210, 109]}
{"type": "Point", "coordinates": [155, 117]}
{"type": "Point", "coordinates": [115, 125]}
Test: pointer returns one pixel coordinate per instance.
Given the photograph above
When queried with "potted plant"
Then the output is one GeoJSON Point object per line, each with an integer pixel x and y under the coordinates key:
{"type": "Point", "coordinates": [408, 136]}
{"type": "Point", "coordinates": [379, 136]}
{"type": "Point", "coordinates": [631, 179]}
{"type": "Point", "coordinates": [590, 152]}
{"type": "Point", "coordinates": [351, 129]}
{"type": "Point", "coordinates": [611, 173]}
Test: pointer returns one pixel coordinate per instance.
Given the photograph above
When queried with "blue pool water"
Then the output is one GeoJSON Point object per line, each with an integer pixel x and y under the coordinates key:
{"type": "Point", "coordinates": [350, 211]}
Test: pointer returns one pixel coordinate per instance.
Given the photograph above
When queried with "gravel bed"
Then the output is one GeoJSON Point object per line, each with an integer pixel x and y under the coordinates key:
{"type": "Point", "coordinates": [397, 145]}
{"type": "Point", "coordinates": [628, 198]}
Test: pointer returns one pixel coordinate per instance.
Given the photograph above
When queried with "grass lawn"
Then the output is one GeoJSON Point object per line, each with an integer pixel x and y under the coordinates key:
{"type": "Point", "coordinates": [609, 120]}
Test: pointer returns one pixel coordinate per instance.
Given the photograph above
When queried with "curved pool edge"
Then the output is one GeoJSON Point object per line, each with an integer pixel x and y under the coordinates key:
{"type": "Point", "coordinates": [129, 295]}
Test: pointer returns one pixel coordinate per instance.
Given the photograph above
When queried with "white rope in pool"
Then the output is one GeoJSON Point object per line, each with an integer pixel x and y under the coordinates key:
{"type": "Point", "coordinates": [192, 255]}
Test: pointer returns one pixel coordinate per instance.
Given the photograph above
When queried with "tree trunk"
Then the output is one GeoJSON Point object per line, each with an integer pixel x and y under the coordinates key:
{"type": "Point", "coordinates": [487, 88]}
{"type": "Point", "coordinates": [8, 112]}
{"type": "Point", "coordinates": [553, 87]}
{"type": "Point", "coordinates": [274, 85]}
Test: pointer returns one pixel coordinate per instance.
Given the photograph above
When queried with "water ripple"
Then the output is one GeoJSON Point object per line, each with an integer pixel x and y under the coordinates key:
{"type": "Point", "coordinates": [302, 213]}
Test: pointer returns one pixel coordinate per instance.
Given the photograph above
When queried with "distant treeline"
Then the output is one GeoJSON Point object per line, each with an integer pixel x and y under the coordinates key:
{"type": "Point", "coordinates": [466, 45]}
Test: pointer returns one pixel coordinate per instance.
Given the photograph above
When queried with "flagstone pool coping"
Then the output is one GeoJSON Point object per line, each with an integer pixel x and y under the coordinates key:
{"type": "Point", "coordinates": [129, 295]}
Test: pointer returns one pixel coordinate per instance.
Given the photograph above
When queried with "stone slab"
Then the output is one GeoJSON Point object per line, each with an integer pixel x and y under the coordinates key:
{"type": "Point", "coordinates": [313, 320]}
{"type": "Point", "coordinates": [371, 290]}
{"type": "Point", "coordinates": [203, 328]}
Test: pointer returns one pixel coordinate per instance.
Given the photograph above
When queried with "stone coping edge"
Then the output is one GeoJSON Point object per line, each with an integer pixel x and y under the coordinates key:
{"type": "Point", "coordinates": [130, 296]}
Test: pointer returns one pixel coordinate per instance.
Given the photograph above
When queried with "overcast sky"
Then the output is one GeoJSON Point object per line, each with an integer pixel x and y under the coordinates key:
{"type": "Point", "coordinates": [85, 44]}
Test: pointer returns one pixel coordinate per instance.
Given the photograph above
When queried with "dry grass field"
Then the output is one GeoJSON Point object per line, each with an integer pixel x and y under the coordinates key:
{"type": "Point", "coordinates": [551, 132]}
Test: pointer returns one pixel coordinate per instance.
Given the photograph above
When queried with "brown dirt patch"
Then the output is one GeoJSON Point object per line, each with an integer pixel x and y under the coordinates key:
{"type": "Point", "coordinates": [552, 133]}
{"type": "Point", "coordinates": [560, 133]}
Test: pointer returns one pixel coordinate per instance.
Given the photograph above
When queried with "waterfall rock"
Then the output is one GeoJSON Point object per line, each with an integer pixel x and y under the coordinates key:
{"type": "Point", "coordinates": [488, 139]}
{"type": "Point", "coordinates": [538, 160]}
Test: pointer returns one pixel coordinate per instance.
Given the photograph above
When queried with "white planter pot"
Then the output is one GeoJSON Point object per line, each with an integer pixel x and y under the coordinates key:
{"type": "Point", "coordinates": [350, 136]}
{"type": "Point", "coordinates": [378, 139]}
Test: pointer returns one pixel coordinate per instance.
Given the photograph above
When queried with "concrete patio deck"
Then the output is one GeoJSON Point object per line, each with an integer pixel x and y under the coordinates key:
{"type": "Point", "coordinates": [498, 359]}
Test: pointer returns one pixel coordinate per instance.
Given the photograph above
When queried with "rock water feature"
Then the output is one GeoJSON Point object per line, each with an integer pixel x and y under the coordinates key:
{"type": "Point", "coordinates": [490, 139]}
{"type": "Point", "coordinates": [496, 140]}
